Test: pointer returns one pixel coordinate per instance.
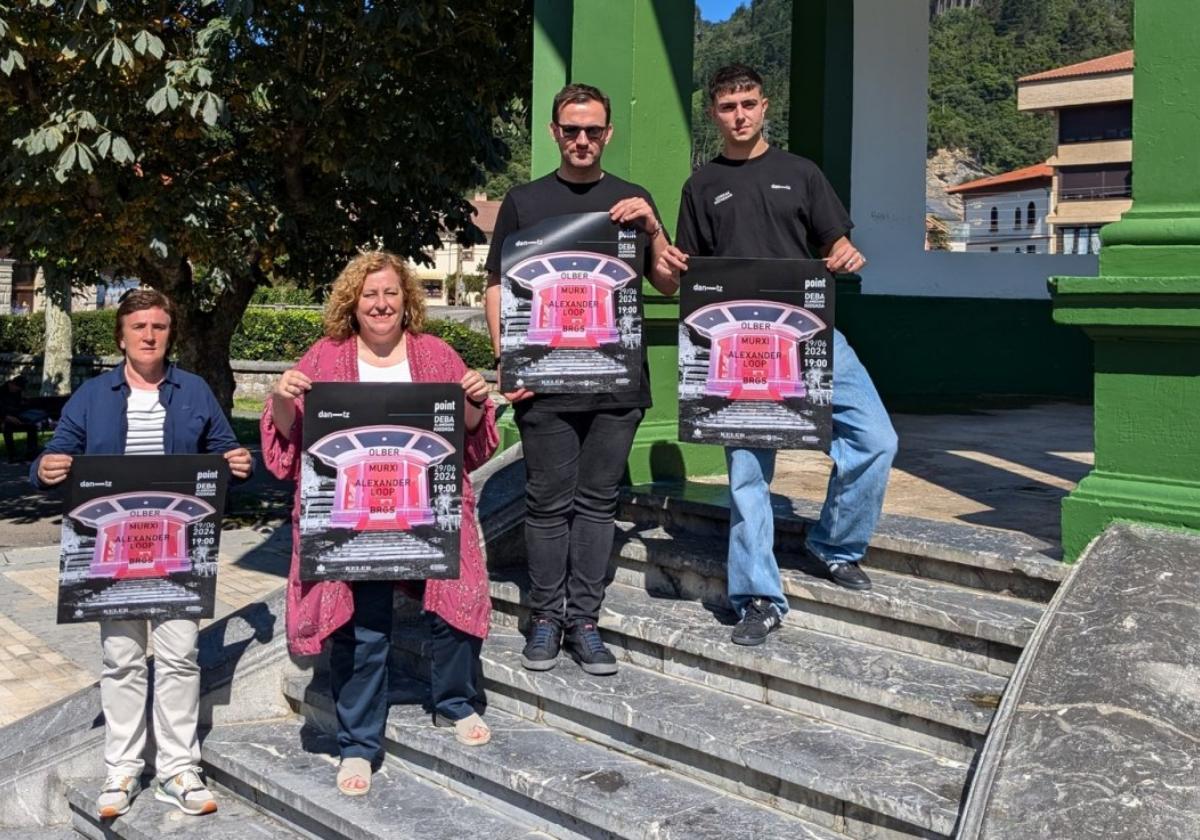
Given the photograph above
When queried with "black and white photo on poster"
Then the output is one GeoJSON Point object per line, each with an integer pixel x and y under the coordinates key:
{"type": "Point", "coordinates": [571, 306]}
{"type": "Point", "coordinates": [756, 353]}
{"type": "Point", "coordinates": [140, 537]}
{"type": "Point", "coordinates": [381, 477]}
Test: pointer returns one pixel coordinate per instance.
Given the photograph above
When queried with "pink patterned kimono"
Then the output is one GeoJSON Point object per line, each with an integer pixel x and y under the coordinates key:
{"type": "Point", "coordinates": [316, 609]}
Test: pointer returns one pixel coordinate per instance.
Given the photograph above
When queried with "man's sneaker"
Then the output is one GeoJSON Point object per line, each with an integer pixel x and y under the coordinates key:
{"type": "Point", "coordinates": [541, 651]}
{"type": "Point", "coordinates": [849, 575]}
{"type": "Point", "coordinates": [760, 620]}
{"type": "Point", "coordinates": [588, 649]}
{"type": "Point", "coordinates": [187, 792]}
{"type": "Point", "coordinates": [116, 796]}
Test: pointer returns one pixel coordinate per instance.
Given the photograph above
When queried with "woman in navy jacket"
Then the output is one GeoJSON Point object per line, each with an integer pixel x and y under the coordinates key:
{"type": "Point", "coordinates": [146, 406]}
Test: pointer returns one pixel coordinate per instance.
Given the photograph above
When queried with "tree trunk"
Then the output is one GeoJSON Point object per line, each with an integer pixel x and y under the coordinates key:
{"type": "Point", "coordinates": [204, 325]}
{"type": "Point", "coordinates": [56, 361]}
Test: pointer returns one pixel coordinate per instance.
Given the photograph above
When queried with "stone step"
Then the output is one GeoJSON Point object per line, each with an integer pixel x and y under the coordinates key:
{"type": "Point", "coordinates": [813, 769]}
{"type": "Point", "coordinates": [149, 819]}
{"type": "Point", "coordinates": [968, 627]}
{"type": "Point", "coordinates": [578, 787]}
{"type": "Point", "coordinates": [288, 769]}
{"type": "Point", "coordinates": [48, 832]}
{"type": "Point", "coordinates": [932, 705]}
{"type": "Point", "coordinates": [981, 558]}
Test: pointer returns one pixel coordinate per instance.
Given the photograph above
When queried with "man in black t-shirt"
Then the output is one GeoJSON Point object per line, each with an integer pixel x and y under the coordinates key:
{"type": "Point", "coordinates": [754, 200]}
{"type": "Point", "coordinates": [575, 445]}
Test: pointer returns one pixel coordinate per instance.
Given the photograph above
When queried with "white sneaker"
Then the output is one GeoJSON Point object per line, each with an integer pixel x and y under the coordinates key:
{"type": "Point", "coordinates": [187, 792]}
{"type": "Point", "coordinates": [116, 796]}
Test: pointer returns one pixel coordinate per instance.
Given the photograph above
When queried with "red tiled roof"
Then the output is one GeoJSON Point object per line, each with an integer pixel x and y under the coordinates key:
{"type": "Point", "coordinates": [485, 215]}
{"type": "Point", "coordinates": [1115, 63]}
{"type": "Point", "coordinates": [1037, 172]}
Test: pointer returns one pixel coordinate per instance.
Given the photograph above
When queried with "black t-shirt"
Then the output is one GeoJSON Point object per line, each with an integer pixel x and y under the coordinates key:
{"type": "Point", "coordinates": [774, 205]}
{"type": "Point", "coordinates": [552, 196]}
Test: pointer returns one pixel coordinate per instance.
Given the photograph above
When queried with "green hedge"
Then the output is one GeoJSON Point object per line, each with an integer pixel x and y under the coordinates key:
{"type": "Point", "coordinates": [22, 333]}
{"type": "Point", "coordinates": [275, 335]}
{"type": "Point", "coordinates": [268, 335]}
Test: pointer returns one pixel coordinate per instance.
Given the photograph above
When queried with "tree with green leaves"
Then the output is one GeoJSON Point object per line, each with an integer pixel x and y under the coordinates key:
{"type": "Point", "coordinates": [255, 138]}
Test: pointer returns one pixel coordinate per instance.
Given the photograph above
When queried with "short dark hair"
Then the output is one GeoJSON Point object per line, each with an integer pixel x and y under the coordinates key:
{"type": "Point", "coordinates": [137, 300]}
{"type": "Point", "coordinates": [733, 78]}
{"type": "Point", "coordinates": [581, 93]}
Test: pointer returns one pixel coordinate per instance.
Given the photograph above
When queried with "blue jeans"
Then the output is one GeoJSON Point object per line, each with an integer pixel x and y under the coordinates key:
{"type": "Point", "coordinates": [864, 445]}
{"type": "Point", "coordinates": [358, 670]}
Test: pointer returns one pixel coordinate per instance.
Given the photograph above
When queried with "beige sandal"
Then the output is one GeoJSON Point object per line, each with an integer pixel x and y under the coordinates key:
{"type": "Point", "coordinates": [471, 730]}
{"type": "Point", "coordinates": [350, 770]}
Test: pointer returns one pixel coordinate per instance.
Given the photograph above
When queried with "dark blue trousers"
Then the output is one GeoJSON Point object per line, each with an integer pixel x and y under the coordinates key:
{"type": "Point", "coordinates": [358, 667]}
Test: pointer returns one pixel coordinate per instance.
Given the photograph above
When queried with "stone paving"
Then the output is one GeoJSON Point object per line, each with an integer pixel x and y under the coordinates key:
{"type": "Point", "coordinates": [1003, 468]}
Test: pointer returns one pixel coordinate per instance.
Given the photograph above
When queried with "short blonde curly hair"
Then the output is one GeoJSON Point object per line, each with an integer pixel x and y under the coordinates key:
{"type": "Point", "coordinates": [340, 320]}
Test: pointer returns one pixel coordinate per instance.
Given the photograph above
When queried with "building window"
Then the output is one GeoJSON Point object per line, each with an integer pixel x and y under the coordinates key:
{"type": "Point", "coordinates": [1030, 249]}
{"type": "Point", "coordinates": [995, 249]}
{"type": "Point", "coordinates": [1083, 183]}
{"type": "Point", "coordinates": [1089, 123]}
{"type": "Point", "coordinates": [468, 253]}
{"type": "Point", "coordinates": [433, 288]}
{"type": "Point", "coordinates": [1031, 215]}
{"type": "Point", "coordinates": [1016, 218]}
{"type": "Point", "coordinates": [1079, 240]}
{"type": "Point", "coordinates": [995, 226]}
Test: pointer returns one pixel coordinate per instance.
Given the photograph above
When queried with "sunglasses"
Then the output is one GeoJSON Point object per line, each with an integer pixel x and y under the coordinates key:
{"type": "Point", "coordinates": [570, 132]}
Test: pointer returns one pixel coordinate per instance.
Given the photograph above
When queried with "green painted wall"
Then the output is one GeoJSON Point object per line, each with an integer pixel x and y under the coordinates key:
{"type": "Point", "coordinates": [963, 347]}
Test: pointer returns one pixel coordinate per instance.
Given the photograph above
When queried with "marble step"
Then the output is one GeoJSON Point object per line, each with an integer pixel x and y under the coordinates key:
{"type": "Point", "coordinates": [944, 621]}
{"type": "Point", "coordinates": [925, 703]}
{"type": "Point", "coordinates": [813, 769]}
{"type": "Point", "coordinates": [578, 787]}
{"type": "Point", "coordinates": [288, 769]}
{"type": "Point", "coordinates": [149, 819]}
{"type": "Point", "coordinates": [982, 558]}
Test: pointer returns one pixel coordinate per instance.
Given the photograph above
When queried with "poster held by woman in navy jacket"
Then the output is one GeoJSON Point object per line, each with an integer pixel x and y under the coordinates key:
{"type": "Point", "coordinates": [570, 306]}
{"type": "Point", "coordinates": [140, 537]}
{"type": "Point", "coordinates": [381, 481]}
{"type": "Point", "coordinates": [756, 353]}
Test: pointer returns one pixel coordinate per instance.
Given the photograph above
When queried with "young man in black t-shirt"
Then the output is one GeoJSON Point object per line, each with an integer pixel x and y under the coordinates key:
{"type": "Point", "coordinates": [754, 200]}
{"type": "Point", "coordinates": [575, 445]}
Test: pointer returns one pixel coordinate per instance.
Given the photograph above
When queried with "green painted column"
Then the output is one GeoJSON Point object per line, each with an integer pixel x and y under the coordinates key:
{"type": "Point", "coordinates": [1143, 312]}
{"type": "Point", "coordinates": [639, 52]}
{"type": "Point", "coordinates": [822, 97]}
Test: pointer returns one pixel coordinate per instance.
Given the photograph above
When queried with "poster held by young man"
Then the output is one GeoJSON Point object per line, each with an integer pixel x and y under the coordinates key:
{"type": "Point", "coordinates": [756, 353]}
{"type": "Point", "coordinates": [140, 537]}
{"type": "Point", "coordinates": [571, 314]}
{"type": "Point", "coordinates": [381, 481]}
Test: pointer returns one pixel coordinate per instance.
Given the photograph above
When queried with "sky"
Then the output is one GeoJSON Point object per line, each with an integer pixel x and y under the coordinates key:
{"type": "Point", "coordinates": [718, 10]}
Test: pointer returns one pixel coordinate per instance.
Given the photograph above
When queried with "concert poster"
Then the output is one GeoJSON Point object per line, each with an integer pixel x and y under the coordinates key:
{"type": "Point", "coordinates": [756, 353]}
{"type": "Point", "coordinates": [571, 306]}
{"type": "Point", "coordinates": [140, 537]}
{"type": "Point", "coordinates": [381, 480]}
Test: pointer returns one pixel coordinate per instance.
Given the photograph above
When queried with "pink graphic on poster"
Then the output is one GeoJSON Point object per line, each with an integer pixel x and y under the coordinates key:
{"type": "Point", "coordinates": [572, 297]}
{"type": "Point", "coordinates": [382, 481]}
{"type": "Point", "coordinates": [141, 535]}
{"type": "Point", "coordinates": [755, 351]}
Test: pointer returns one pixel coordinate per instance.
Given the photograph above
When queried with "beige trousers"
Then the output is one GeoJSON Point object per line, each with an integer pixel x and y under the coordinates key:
{"type": "Point", "coordinates": [123, 686]}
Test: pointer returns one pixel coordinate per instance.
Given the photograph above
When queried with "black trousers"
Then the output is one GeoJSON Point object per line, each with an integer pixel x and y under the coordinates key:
{"type": "Point", "coordinates": [574, 462]}
{"type": "Point", "coordinates": [10, 443]}
{"type": "Point", "coordinates": [358, 667]}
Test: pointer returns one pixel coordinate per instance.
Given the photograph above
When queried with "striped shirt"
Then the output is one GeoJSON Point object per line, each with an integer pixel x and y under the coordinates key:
{"type": "Point", "coordinates": [145, 417]}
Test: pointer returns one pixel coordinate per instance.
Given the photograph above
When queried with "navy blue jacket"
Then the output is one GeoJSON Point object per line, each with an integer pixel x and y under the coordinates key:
{"type": "Point", "coordinates": [94, 421]}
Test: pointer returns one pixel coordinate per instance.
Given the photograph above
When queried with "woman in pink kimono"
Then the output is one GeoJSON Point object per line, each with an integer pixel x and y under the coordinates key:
{"type": "Point", "coordinates": [373, 321]}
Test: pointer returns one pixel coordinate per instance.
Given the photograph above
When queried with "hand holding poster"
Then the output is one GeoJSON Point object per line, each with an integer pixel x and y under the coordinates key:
{"type": "Point", "coordinates": [381, 481]}
{"type": "Point", "coordinates": [571, 311]}
{"type": "Point", "coordinates": [756, 353]}
{"type": "Point", "coordinates": [140, 537]}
